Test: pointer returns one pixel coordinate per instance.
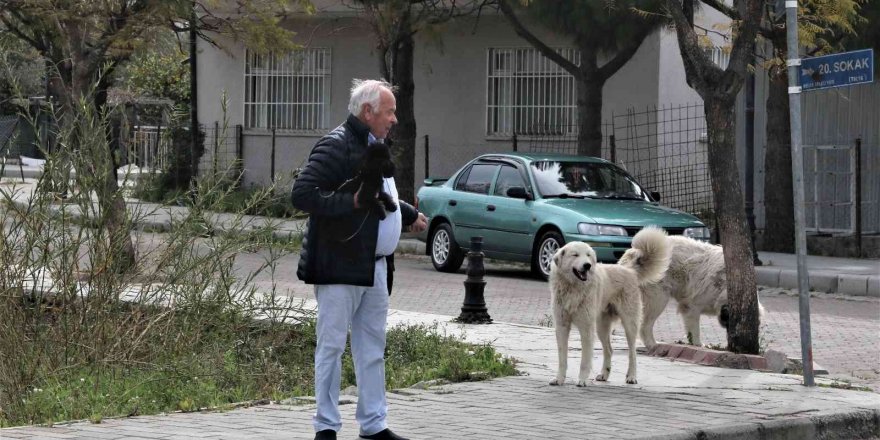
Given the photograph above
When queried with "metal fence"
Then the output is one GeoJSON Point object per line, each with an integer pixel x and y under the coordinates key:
{"type": "Point", "coordinates": [664, 148]}
{"type": "Point", "coordinates": [842, 160]}
{"type": "Point", "coordinates": [223, 150]}
{"type": "Point", "coordinates": [560, 139]}
{"type": "Point", "coordinates": [149, 147]}
{"type": "Point", "coordinates": [836, 181]}
{"type": "Point", "coordinates": [8, 128]}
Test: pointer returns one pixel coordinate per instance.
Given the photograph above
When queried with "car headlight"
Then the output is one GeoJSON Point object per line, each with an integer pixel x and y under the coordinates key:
{"type": "Point", "coordinates": [594, 229]}
{"type": "Point", "coordinates": [702, 232]}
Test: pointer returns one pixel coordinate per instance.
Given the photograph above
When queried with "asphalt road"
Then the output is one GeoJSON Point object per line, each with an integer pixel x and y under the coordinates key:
{"type": "Point", "coordinates": [845, 330]}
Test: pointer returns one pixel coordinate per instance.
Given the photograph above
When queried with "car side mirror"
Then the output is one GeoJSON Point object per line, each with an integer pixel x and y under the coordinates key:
{"type": "Point", "coordinates": [655, 195]}
{"type": "Point", "coordinates": [518, 192]}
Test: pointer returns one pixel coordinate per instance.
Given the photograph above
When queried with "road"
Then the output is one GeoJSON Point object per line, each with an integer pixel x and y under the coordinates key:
{"type": "Point", "coordinates": [846, 330]}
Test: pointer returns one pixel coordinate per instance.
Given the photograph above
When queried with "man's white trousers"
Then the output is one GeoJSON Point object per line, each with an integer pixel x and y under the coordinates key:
{"type": "Point", "coordinates": [365, 311]}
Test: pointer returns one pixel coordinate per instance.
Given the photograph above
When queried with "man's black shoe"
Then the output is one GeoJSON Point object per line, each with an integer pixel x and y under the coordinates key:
{"type": "Point", "coordinates": [384, 434]}
{"type": "Point", "coordinates": [326, 434]}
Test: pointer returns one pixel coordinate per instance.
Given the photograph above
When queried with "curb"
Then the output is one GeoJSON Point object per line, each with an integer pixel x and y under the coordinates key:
{"type": "Point", "coordinates": [858, 424]}
{"type": "Point", "coordinates": [772, 361]}
{"type": "Point", "coordinates": [767, 276]}
{"type": "Point", "coordinates": [147, 225]}
{"type": "Point", "coordinates": [820, 281]}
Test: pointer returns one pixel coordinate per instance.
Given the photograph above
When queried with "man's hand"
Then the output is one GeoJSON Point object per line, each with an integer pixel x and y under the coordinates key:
{"type": "Point", "coordinates": [420, 224]}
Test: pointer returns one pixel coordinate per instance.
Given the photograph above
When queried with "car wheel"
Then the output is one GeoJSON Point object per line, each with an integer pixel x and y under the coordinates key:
{"type": "Point", "coordinates": [445, 253]}
{"type": "Point", "coordinates": [547, 246]}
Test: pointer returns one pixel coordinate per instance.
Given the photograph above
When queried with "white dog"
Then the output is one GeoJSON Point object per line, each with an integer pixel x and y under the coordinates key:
{"type": "Point", "coordinates": [695, 278]}
{"type": "Point", "coordinates": [584, 291]}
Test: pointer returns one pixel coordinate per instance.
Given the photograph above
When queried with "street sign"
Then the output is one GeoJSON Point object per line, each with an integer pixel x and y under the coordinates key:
{"type": "Point", "coordinates": [837, 70]}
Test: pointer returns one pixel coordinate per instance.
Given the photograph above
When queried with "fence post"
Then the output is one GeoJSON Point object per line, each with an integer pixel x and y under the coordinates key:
{"type": "Point", "coordinates": [216, 146]}
{"type": "Point", "coordinates": [272, 159]}
{"type": "Point", "coordinates": [427, 156]}
{"type": "Point", "coordinates": [157, 156]}
{"type": "Point", "coordinates": [239, 150]}
{"type": "Point", "coordinates": [613, 147]}
{"type": "Point", "coordinates": [195, 130]}
{"type": "Point", "coordinates": [514, 142]}
{"type": "Point", "coordinates": [858, 198]}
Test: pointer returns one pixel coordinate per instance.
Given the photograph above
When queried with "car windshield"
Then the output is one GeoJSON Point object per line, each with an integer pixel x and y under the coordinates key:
{"type": "Point", "coordinates": [595, 180]}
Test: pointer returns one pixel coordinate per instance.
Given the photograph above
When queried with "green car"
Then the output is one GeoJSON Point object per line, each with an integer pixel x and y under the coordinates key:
{"type": "Point", "coordinates": [527, 205]}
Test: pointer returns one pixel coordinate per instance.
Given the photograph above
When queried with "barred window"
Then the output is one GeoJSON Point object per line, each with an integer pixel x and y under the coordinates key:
{"type": "Point", "coordinates": [530, 94]}
{"type": "Point", "coordinates": [287, 92]}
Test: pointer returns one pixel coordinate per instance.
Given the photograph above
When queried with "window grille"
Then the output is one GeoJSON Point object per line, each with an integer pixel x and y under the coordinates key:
{"type": "Point", "coordinates": [287, 92]}
{"type": "Point", "coordinates": [530, 94]}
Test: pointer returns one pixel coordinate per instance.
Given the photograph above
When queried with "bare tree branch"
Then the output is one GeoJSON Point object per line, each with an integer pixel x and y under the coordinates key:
{"type": "Point", "coordinates": [722, 8]}
{"type": "Point", "coordinates": [742, 47]}
{"type": "Point", "coordinates": [547, 51]}
{"type": "Point", "coordinates": [700, 70]}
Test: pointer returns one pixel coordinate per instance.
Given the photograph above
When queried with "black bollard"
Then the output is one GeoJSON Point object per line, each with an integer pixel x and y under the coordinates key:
{"type": "Point", "coordinates": [473, 310]}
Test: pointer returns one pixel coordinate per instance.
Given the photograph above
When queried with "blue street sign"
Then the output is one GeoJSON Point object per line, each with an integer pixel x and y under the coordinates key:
{"type": "Point", "coordinates": [838, 70]}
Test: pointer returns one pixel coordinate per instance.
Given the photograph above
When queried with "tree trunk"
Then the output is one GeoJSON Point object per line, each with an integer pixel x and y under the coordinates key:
{"type": "Point", "coordinates": [589, 103]}
{"type": "Point", "coordinates": [778, 193]}
{"type": "Point", "coordinates": [404, 133]}
{"type": "Point", "coordinates": [742, 331]}
{"type": "Point", "coordinates": [100, 167]}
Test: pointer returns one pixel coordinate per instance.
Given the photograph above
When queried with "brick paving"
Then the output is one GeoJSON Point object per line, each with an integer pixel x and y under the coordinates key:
{"type": "Point", "coordinates": [844, 329]}
{"type": "Point", "coordinates": [672, 400]}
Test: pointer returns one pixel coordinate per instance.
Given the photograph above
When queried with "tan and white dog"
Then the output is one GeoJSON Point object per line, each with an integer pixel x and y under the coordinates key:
{"type": "Point", "coordinates": [592, 295]}
{"type": "Point", "coordinates": [696, 279]}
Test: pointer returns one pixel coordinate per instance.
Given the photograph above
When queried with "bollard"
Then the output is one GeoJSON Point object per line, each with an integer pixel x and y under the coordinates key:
{"type": "Point", "coordinates": [473, 310]}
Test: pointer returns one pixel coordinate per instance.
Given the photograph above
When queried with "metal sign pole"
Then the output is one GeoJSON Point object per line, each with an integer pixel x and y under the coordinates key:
{"type": "Point", "coordinates": [797, 167]}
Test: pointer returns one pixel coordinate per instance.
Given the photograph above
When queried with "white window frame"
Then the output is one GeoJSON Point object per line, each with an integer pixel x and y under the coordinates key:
{"type": "Point", "coordinates": [528, 94]}
{"type": "Point", "coordinates": [289, 92]}
{"type": "Point", "coordinates": [719, 55]}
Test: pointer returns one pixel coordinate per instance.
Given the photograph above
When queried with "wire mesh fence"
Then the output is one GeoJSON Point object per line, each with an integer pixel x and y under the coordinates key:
{"type": "Point", "coordinates": [222, 150]}
{"type": "Point", "coordinates": [8, 128]}
{"type": "Point", "coordinates": [664, 148]}
{"type": "Point", "coordinates": [561, 139]}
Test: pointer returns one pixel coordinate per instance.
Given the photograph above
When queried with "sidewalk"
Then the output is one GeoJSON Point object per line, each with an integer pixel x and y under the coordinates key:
{"type": "Point", "coordinates": [673, 400]}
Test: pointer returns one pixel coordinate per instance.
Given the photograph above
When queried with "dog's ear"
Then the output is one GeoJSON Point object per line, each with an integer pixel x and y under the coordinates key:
{"type": "Point", "coordinates": [556, 257]}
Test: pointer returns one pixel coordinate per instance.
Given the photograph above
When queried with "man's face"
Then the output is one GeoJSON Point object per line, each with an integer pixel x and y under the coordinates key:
{"type": "Point", "coordinates": [380, 121]}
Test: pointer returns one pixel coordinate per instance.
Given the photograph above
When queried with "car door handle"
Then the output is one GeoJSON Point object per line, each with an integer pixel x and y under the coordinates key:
{"type": "Point", "coordinates": [452, 203]}
{"type": "Point", "coordinates": [490, 208]}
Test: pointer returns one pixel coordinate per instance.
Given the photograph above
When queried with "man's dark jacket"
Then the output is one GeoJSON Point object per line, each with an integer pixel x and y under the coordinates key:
{"type": "Point", "coordinates": [339, 245]}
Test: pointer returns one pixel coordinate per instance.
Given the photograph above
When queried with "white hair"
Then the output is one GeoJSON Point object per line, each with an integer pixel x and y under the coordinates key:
{"type": "Point", "coordinates": [367, 91]}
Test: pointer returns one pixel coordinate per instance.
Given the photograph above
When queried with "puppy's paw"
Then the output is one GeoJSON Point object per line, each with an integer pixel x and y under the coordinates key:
{"type": "Point", "coordinates": [557, 381]}
{"type": "Point", "coordinates": [631, 380]}
{"type": "Point", "coordinates": [602, 377]}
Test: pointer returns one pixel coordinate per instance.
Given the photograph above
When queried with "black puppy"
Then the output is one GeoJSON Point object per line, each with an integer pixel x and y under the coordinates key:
{"type": "Point", "coordinates": [374, 166]}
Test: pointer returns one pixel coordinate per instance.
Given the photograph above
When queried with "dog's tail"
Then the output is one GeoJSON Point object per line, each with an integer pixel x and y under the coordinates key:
{"type": "Point", "coordinates": [649, 255]}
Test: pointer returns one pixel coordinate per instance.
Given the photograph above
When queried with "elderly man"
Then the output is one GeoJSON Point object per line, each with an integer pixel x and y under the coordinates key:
{"type": "Point", "coordinates": [347, 253]}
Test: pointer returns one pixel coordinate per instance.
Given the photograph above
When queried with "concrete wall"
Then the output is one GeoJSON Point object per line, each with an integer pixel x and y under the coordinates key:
{"type": "Point", "coordinates": [451, 87]}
